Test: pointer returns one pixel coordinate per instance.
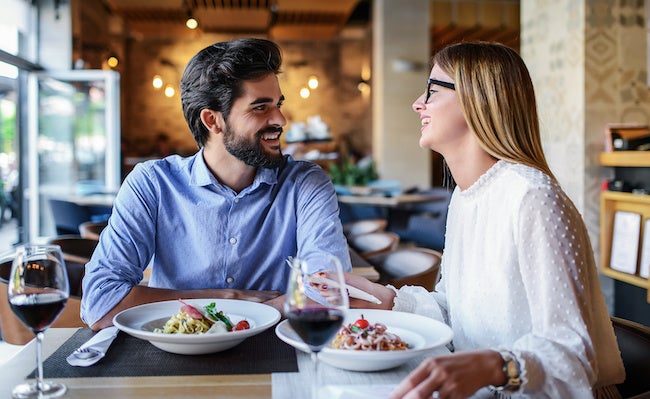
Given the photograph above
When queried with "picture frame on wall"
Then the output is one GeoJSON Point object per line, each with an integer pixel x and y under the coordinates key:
{"type": "Point", "coordinates": [644, 265]}
{"type": "Point", "coordinates": [625, 241]}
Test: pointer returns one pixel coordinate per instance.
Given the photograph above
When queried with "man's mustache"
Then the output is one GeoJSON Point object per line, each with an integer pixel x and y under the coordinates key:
{"type": "Point", "coordinates": [270, 129]}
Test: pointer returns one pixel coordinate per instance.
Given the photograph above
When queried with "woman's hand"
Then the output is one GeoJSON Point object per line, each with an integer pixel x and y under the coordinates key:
{"type": "Point", "coordinates": [453, 376]}
{"type": "Point", "coordinates": [385, 295]}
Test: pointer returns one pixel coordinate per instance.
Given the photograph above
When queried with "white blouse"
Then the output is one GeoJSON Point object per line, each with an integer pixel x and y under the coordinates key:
{"type": "Point", "coordinates": [518, 273]}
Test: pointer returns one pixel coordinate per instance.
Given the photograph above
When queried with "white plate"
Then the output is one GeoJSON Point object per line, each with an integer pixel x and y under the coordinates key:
{"type": "Point", "coordinates": [422, 334]}
{"type": "Point", "coordinates": [140, 321]}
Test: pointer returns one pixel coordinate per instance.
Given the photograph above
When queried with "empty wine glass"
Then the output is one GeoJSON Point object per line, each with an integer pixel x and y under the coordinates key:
{"type": "Point", "coordinates": [38, 292]}
{"type": "Point", "coordinates": [316, 314]}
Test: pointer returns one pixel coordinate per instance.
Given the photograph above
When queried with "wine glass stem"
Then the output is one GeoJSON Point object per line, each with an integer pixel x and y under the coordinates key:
{"type": "Point", "coordinates": [316, 379]}
{"type": "Point", "coordinates": [39, 361]}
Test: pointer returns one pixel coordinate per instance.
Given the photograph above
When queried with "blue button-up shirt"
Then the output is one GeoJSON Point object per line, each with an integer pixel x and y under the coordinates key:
{"type": "Point", "coordinates": [198, 233]}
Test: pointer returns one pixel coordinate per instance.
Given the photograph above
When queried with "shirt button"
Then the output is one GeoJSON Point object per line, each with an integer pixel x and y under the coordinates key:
{"type": "Point", "coordinates": [236, 200]}
{"type": "Point", "coordinates": [233, 240]}
{"type": "Point", "coordinates": [230, 280]}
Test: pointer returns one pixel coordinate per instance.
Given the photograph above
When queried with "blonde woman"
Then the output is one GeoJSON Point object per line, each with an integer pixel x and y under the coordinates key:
{"type": "Point", "coordinates": [519, 283]}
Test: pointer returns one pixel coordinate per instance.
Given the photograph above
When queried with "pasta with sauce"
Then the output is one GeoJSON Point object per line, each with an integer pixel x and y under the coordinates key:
{"type": "Point", "coordinates": [372, 338]}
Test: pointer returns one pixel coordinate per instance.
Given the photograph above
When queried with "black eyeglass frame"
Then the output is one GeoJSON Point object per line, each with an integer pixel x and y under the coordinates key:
{"type": "Point", "coordinates": [439, 83]}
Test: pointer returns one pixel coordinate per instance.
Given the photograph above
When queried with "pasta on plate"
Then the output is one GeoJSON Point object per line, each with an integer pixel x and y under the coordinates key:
{"type": "Point", "coordinates": [364, 336]}
{"type": "Point", "coordinates": [191, 320]}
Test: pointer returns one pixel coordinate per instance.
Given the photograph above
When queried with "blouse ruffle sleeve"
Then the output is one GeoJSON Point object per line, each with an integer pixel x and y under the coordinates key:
{"type": "Point", "coordinates": [418, 300]}
{"type": "Point", "coordinates": [558, 355]}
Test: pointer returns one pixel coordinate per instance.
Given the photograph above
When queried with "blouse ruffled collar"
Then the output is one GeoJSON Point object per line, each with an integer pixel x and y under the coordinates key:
{"type": "Point", "coordinates": [483, 181]}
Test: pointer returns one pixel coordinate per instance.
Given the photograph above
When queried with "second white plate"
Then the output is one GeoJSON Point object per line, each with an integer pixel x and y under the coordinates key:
{"type": "Point", "coordinates": [421, 333]}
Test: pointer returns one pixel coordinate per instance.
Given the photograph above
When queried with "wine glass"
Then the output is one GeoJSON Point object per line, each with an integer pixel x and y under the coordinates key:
{"type": "Point", "coordinates": [38, 292]}
{"type": "Point", "coordinates": [316, 314]}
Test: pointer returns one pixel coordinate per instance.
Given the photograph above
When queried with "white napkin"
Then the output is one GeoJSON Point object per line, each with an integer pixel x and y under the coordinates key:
{"type": "Point", "coordinates": [375, 391]}
{"type": "Point", "coordinates": [99, 342]}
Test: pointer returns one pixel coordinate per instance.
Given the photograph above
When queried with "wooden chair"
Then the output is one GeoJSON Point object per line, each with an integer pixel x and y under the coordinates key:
{"type": "Point", "coordinates": [408, 266]}
{"type": "Point", "coordinates": [75, 248]}
{"type": "Point", "coordinates": [92, 230]}
{"type": "Point", "coordinates": [14, 331]}
{"type": "Point", "coordinates": [364, 226]}
{"type": "Point", "coordinates": [372, 244]}
{"type": "Point", "coordinates": [634, 344]}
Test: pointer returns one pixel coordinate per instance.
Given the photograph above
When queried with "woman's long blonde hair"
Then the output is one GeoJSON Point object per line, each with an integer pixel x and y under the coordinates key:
{"type": "Point", "coordinates": [498, 100]}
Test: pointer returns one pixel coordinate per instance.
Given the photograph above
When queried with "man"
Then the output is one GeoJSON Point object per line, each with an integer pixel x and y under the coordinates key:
{"type": "Point", "coordinates": [221, 223]}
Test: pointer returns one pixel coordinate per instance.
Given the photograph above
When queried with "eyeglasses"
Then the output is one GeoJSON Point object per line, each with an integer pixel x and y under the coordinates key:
{"type": "Point", "coordinates": [439, 83]}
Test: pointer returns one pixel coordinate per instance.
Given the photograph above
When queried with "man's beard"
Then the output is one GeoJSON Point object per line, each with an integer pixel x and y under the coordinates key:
{"type": "Point", "coordinates": [251, 152]}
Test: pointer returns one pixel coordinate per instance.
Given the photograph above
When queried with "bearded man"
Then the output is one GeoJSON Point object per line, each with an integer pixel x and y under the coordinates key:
{"type": "Point", "coordinates": [220, 223]}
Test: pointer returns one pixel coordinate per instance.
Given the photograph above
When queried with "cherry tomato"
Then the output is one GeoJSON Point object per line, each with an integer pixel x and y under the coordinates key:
{"type": "Point", "coordinates": [242, 325]}
{"type": "Point", "coordinates": [362, 323]}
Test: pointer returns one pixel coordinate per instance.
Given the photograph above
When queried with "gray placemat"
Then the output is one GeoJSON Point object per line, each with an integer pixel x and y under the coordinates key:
{"type": "Point", "coordinates": [132, 357]}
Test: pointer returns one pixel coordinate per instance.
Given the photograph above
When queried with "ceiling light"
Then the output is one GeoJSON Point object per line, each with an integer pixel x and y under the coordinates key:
{"type": "Point", "coordinates": [312, 82]}
{"type": "Point", "coordinates": [304, 92]}
{"type": "Point", "coordinates": [157, 82]}
{"type": "Point", "coordinates": [191, 22]}
{"type": "Point", "coordinates": [169, 91]}
{"type": "Point", "coordinates": [112, 60]}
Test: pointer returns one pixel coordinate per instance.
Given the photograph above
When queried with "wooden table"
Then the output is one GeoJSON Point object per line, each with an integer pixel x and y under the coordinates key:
{"type": "Point", "coordinates": [397, 208]}
{"type": "Point", "coordinates": [362, 267]}
{"type": "Point", "coordinates": [390, 202]}
{"type": "Point", "coordinates": [249, 386]}
{"type": "Point", "coordinates": [13, 372]}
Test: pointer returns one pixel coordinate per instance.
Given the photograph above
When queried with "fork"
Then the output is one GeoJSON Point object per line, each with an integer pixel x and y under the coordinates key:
{"type": "Point", "coordinates": [86, 353]}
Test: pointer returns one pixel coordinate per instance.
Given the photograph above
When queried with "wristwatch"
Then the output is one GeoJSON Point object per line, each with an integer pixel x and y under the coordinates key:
{"type": "Point", "coordinates": [511, 370]}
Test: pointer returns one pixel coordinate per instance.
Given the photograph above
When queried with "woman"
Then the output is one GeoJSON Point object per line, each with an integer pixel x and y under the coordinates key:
{"type": "Point", "coordinates": [519, 284]}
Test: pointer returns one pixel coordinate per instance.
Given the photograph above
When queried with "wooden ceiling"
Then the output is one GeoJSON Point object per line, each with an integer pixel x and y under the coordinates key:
{"type": "Point", "coordinates": [464, 20]}
{"type": "Point", "coordinates": [451, 20]}
{"type": "Point", "coordinates": [279, 19]}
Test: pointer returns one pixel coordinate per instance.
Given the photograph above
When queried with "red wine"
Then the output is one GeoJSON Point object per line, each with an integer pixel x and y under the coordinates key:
{"type": "Point", "coordinates": [316, 326]}
{"type": "Point", "coordinates": [38, 311]}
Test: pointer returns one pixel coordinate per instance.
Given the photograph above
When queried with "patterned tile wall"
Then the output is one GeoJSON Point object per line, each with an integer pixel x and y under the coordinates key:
{"type": "Point", "coordinates": [588, 63]}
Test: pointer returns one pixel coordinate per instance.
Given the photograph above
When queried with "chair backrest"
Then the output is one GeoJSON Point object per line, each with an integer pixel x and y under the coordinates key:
{"type": "Point", "coordinates": [372, 244]}
{"type": "Point", "coordinates": [364, 226]}
{"type": "Point", "coordinates": [13, 330]}
{"type": "Point", "coordinates": [427, 224]}
{"type": "Point", "coordinates": [634, 343]}
{"type": "Point", "coordinates": [68, 216]}
{"type": "Point", "coordinates": [77, 252]}
{"type": "Point", "coordinates": [409, 266]}
{"type": "Point", "coordinates": [92, 230]}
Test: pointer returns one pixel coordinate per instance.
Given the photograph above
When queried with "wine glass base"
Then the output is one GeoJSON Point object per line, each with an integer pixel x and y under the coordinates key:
{"type": "Point", "coordinates": [28, 391]}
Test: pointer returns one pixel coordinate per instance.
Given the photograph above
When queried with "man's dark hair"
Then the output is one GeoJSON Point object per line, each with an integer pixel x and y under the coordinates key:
{"type": "Point", "coordinates": [214, 77]}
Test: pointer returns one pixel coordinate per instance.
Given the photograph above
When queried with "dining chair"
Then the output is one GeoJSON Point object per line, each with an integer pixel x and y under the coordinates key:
{"type": "Point", "coordinates": [68, 215]}
{"type": "Point", "coordinates": [634, 343]}
{"type": "Point", "coordinates": [408, 266]}
{"type": "Point", "coordinates": [364, 226]}
{"type": "Point", "coordinates": [426, 223]}
{"type": "Point", "coordinates": [74, 247]}
{"type": "Point", "coordinates": [14, 331]}
{"type": "Point", "coordinates": [91, 229]}
{"type": "Point", "coordinates": [371, 244]}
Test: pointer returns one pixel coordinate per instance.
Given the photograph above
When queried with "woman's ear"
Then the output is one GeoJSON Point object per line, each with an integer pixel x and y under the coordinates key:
{"type": "Point", "coordinates": [212, 120]}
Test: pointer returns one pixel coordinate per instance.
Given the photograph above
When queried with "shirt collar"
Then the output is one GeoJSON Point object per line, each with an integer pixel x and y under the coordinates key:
{"type": "Point", "coordinates": [201, 175]}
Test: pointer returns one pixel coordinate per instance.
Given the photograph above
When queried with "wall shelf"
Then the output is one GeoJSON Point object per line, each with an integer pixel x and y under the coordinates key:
{"type": "Point", "coordinates": [612, 202]}
{"type": "Point", "coordinates": [625, 158]}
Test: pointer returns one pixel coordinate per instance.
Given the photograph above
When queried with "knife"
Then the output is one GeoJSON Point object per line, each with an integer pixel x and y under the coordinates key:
{"type": "Point", "coordinates": [354, 292]}
{"type": "Point", "coordinates": [94, 349]}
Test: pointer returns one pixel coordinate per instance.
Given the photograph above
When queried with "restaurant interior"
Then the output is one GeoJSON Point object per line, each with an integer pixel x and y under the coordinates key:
{"type": "Point", "coordinates": [90, 88]}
